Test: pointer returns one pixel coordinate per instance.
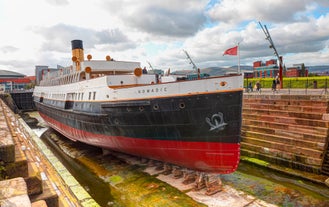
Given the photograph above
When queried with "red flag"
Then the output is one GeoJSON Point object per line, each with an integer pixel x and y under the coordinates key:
{"type": "Point", "coordinates": [231, 51]}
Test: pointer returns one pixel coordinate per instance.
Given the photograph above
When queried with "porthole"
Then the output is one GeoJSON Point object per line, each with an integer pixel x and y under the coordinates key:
{"type": "Point", "coordinates": [181, 105]}
{"type": "Point", "coordinates": [155, 106]}
{"type": "Point", "coordinates": [141, 108]}
{"type": "Point", "coordinates": [116, 121]}
{"type": "Point", "coordinates": [223, 83]}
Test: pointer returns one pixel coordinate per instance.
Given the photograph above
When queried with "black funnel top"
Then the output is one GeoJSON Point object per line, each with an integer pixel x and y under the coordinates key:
{"type": "Point", "coordinates": [76, 44]}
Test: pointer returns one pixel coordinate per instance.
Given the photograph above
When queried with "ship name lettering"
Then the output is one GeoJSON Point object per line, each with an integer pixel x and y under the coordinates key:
{"type": "Point", "coordinates": [153, 90]}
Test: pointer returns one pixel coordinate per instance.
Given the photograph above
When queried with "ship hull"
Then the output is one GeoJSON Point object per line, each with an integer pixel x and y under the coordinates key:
{"type": "Point", "coordinates": [200, 132]}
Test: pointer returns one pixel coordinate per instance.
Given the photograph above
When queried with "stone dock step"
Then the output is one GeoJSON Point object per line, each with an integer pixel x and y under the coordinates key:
{"type": "Point", "coordinates": [287, 104]}
{"type": "Point", "coordinates": [14, 192]}
{"type": "Point", "coordinates": [313, 135]}
{"type": "Point", "coordinates": [293, 128]}
{"type": "Point", "coordinates": [315, 144]}
{"type": "Point", "coordinates": [7, 146]}
{"type": "Point", "coordinates": [289, 130]}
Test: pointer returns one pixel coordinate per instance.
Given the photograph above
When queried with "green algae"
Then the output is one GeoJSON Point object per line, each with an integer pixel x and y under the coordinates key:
{"type": "Point", "coordinates": [92, 166]}
{"type": "Point", "coordinates": [130, 186]}
{"type": "Point", "coordinates": [276, 188]}
{"type": "Point", "coordinates": [2, 171]}
{"type": "Point", "coordinates": [149, 191]}
{"type": "Point", "coordinates": [114, 179]}
{"type": "Point", "coordinates": [256, 161]}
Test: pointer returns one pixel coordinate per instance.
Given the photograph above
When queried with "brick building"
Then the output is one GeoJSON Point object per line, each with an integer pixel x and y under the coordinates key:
{"type": "Point", "coordinates": [269, 69]}
{"type": "Point", "coordinates": [297, 71]}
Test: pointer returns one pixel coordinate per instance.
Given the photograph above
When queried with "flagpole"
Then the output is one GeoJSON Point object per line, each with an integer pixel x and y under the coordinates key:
{"type": "Point", "coordinates": [239, 58]}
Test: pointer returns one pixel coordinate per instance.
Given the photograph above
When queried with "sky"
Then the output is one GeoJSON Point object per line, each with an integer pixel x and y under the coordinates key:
{"type": "Point", "coordinates": [39, 32]}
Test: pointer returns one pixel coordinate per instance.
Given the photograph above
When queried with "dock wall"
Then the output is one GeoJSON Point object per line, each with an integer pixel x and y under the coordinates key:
{"type": "Point", "coordinates": [30, 173]}
{"type": "Point", "coordinates": [287, 130]}
{"type": "Point", "coordinates": [19, 101]}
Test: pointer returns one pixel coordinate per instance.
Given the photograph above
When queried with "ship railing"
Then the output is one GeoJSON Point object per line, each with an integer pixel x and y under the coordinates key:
{"type": "Point", "coordinates": [62, 79]}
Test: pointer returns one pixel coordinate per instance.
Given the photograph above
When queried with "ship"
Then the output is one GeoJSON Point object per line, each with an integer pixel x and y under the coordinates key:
{"type": "Point", "coordinates": [193, 122]}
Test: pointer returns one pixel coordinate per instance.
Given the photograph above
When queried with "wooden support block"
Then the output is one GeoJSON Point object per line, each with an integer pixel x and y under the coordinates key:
{"type": "Point", "coordinates": [13, 192]}
{"type": "Point", "coordinates": [40, 203]}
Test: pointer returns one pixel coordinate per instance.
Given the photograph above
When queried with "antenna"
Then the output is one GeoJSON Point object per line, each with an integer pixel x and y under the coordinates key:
{"type": "Point", "coordinates": [191, 61]}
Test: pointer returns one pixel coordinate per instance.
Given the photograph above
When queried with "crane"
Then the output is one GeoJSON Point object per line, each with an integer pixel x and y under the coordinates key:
{"type": "Point", "coordinates": [150, 65]}
{"type": "Point", "coordinates": [191, 61]}
{"type": "Point", "coordinates": [268, 37]}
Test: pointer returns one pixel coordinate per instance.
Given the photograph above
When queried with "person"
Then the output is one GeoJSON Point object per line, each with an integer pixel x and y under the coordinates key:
{"type": "Point", "coordinates": [250, 87]}
{"type": "Point", "coordinates": [274, 85]}
{"type": "Point", "coordinates": [144, 70]}
{"type": "Point", "coordinates": [258, 86]}
{"type": "Point", "coordinates": [277, 81]}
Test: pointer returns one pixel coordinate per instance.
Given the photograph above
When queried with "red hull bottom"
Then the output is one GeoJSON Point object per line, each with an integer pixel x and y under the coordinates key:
{"type": "Point", "coordinates": [212, 157]}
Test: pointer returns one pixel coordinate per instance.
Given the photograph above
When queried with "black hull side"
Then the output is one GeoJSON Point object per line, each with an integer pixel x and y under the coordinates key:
{"type": "Point", "coordinates": [213, 117]}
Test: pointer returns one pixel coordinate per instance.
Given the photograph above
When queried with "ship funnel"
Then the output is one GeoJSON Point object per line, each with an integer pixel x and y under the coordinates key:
{"type": "Point", "coordinates": [77, 52]}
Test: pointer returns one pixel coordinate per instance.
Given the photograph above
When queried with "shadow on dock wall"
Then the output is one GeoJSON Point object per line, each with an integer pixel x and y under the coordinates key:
{"type": "Point", "coordinates": [19, 101]}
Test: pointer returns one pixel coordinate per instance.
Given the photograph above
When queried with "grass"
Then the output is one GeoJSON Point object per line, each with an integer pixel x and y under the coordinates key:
{"type": "Point", "coordinates": [299, 82]}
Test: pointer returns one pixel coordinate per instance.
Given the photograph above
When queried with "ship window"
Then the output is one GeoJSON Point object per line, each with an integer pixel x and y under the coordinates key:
{"type": "Point", "coordinates": [94, 95]}
{"type": "Point", "coordinates": [89, 96]}
{"type": "Point", "coordinates": [81, 96]}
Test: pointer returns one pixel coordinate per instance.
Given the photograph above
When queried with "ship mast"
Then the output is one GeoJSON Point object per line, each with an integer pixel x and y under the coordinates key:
{"type": "Point", "coordinates": [268, 37]}
{"type": "Point", "coordinates": [191, 61]}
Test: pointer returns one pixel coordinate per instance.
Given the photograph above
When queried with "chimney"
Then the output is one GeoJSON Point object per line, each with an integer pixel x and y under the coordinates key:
{"type": "Point", "coordinates": [77, 52]}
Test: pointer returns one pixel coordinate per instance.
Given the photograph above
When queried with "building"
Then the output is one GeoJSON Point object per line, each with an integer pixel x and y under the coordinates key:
{"type": "Point", "coordinates": [298, 70]}
{"type": "Point", "coordinates": [11, 81]}
{"type": "Point", "coordinates": [43, 70]}
{"type": "Point", "coordinates": [269, 69]}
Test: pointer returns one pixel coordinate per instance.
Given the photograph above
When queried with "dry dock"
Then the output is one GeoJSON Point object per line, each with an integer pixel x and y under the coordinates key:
{"type": "Point", "coordinates": [32, 174]}
{"type": "Point", "coordinates": [286, 133]}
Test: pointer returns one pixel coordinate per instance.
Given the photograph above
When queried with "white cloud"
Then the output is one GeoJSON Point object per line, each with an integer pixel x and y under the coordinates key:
{"type": "Point", "coordinates": [236, 11]}
{"type": "Point", "coordinates": [39, 32]}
